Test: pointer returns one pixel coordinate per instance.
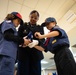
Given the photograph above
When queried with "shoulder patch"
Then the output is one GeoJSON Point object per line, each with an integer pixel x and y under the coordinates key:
{"type": "Point", "coordinates": [26, 23]}
{"type": "Point", "coordinates": [9, 21]}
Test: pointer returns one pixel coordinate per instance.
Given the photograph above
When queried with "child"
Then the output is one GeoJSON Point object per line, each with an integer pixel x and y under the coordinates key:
{"type": "Point", "coordinates": [8, 43]}
{"type": "Point", "coordinates": [57, 43]}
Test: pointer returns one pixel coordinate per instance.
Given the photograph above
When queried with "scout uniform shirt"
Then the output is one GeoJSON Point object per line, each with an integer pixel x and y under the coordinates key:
{"type": "Point", "coordinates": [8, 48]}
{"type": "Point", "coordinates": [58, 41]}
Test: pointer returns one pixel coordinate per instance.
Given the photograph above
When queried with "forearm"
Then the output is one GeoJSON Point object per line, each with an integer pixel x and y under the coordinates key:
{"type": "Point", "coordinates": [39, 48]}
{"type": "Point", "coordinates": [51, 34]}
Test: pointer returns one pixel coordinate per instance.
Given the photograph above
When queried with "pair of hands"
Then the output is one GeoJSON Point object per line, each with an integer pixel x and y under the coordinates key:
{"type": "Point", "coordinates": [26, 41]}
{"type": "Point", "coordinates": [29, 43]}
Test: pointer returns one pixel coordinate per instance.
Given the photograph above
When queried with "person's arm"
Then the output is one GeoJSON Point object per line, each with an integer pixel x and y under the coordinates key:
{"type": "Point", "coordinates": [9, 35]}
{"type": "Point", "coordinates": [20, 31]}
{"type": "Point", "coordinates": [39, 48]}
{"type": "Point", "coordinates": [50, 34]}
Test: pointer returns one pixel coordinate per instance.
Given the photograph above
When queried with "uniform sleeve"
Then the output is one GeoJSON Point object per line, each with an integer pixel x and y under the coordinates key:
{"type": "Point", "coordinates": [61, 31]}
{"type": "Point", "coordinates": [12, 37]}
{"type": "Point", "coordinates": [20, 31]}
{"type": "Point", "coordinates": [23, 30]}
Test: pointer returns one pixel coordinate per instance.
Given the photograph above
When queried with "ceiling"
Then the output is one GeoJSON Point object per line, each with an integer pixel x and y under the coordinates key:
{"type": "Point", "coordinates": [63, 10]}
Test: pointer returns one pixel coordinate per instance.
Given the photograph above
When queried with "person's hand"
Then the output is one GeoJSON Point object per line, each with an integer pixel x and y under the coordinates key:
{"type": "Point", "coordinates": [33, 43]}
{"type": "Point", "coordinates": [25, 37]}
{"type": "Point", "coordinates": [26, 41]}
{"type": "Point", "coordinates": [38, 35]}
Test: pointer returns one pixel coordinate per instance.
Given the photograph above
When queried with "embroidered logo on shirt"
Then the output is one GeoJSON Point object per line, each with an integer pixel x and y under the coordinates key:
{"type": "Point", "coordinates": [24, 31]}
{"type": "Point", "coordinates": [54, 41]}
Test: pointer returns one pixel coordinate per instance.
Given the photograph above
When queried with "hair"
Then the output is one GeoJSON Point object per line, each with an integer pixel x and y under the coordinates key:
{"type": "Point", "coordinates": [35, 11]}
{"type": "Point", "coordinates": [10, 17]}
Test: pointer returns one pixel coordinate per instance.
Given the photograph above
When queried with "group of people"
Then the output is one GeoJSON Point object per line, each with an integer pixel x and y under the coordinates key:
{"type": "Point", "coordinates": [27, 50]}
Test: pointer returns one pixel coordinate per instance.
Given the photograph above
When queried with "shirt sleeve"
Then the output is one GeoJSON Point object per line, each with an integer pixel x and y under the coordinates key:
{"type": "Point", "coordinates": [61, 31]}
{"type": "Point", "coordinates": [12, 37]}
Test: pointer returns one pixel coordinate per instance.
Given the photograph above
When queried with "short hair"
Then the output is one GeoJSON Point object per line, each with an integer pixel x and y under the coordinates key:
{"type": "Point", "coordinates": [35, 11]}
{"type": "Point", "coordinates": [10, 17]}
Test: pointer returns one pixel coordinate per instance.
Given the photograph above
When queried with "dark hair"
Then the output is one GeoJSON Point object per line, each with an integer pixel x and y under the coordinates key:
{"type": "Point", "coordinates": [10, 17]}
{"type": "Point", "coordinates": [34, 11]}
